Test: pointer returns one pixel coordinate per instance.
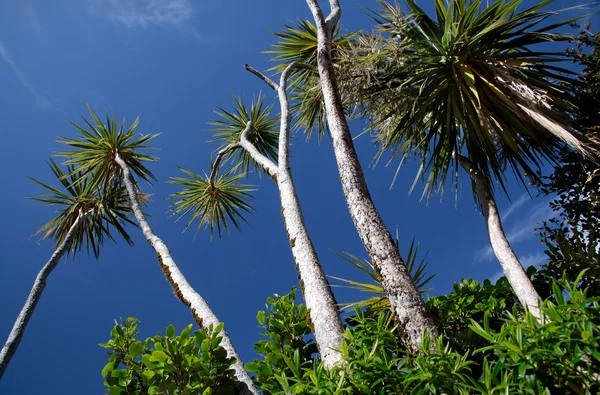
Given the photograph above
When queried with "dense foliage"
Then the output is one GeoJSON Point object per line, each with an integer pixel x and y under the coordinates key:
{"type": "Point", "coordinates": [572, 237]}
{"type": "Point", "coordinates": [488, 346]}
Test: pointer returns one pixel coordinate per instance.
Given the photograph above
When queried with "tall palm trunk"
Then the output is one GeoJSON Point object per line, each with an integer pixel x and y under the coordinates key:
{"type": "Point", "coordinates": [16, 334]}
{"type": "Point", "coordinates": [320, 302]}
{"type": "Point", "coordinates": [513, 270]}
{"type": "Point", "coordinates": [406, 303]}
{"type": "Point", "coordinates": [184, 291]}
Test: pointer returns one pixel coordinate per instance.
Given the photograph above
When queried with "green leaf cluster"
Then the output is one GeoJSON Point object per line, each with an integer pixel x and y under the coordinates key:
{"type": "Point", "coordinates": [286, 351]}
{"type": "Point", "coordinates": [185, 364]}
{"type": "Point", "coordinates": [78, 200]}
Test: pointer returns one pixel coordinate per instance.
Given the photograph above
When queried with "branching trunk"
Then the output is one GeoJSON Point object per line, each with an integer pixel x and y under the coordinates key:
{"type": "Point", "coordinates": [513, 270]}
{"type": "Point", "coordinates": [184, 291]}
{"type": "Point", "coordinates": [320, 302]}
{"type": "Point", "coordinates": [16, 334]}
{"type": "Point", "coordinates": [406, 303]}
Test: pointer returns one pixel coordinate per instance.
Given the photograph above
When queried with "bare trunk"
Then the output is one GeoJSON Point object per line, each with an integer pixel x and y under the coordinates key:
{"type": "Point", "coordinates": [16, 334]}
{"type": "Point", "coordinates": [513, 270]}
{"type": "Point", "coordinates": [320, 302]}
{"type": "Point", "coordinates": [184, 291]}
{"type": "Point", "coordinates": [406, 303]}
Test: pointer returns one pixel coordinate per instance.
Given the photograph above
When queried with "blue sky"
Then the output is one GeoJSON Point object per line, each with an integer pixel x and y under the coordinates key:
{"type": "Point", "coordinates": [174, 62]}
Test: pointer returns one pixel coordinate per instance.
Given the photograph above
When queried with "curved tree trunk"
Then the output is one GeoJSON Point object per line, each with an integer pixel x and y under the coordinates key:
{"type": "Point", "coordinates": [184, 291]}
{"type": "Point", "coordinates": [406, 303]}
{"type": "Point", "coordinates": [320, 301]}
{"type": "Point", "coordinates": [513, 270]}
{"type": "Point", "coordinates": [16, 334]}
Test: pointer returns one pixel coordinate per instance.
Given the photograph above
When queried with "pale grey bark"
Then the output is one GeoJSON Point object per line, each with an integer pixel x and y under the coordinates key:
{"type": "Point", "coordinates": [320, 301]}
{"type": "Point", "coordinates": [513, 270]}
{"type": "Point", "coordinates": [16, 334]}
{"type": "Point", "coordinates": [217, 164]}
{"type": "Point", "coordinates": [184, 291]}
{"type": "Point", "coordinates": [406, 303]}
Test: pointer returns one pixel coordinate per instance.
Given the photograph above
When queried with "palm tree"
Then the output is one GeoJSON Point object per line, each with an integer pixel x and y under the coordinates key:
{"type": "Point", "coordinates": [247, 138]}
{"type": "Point", "coordinates": [406, 303]}
{"type": "Point", "coordinates": [84, 219]}
{"type": "Point", "coordinates": [476, 90]}
{"type": "Point", "coordinates": [109, 155]}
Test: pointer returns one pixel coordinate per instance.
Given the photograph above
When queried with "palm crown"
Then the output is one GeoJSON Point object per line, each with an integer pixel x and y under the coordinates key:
{"type": "Point", "coordinates": [79, 198]}
{"type": "Point", "coordinates": [478, 81]}
{"type": "Point", "coordinates": [93, 153]}
{"type": "Point", "coordinates": [263, 135]}
{"type": "Point", "coordinates": [214, 203]}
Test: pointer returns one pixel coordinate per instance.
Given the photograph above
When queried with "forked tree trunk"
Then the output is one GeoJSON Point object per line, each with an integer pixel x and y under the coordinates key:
{"type": "Point", "coordinates": [16, 334]}
{"type": "Point", "coordinates": [406, 303]}
{"type": "Point", "coordinates": [320, 302]}
{"type": "Point", "coordinates": [184, 291]}
{"type": "Point", "coordinates": [513, 270]}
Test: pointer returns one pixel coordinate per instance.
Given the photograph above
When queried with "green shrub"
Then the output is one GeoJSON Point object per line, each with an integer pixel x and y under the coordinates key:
{"type": "Point", "coordinates": [488, 346]}
{"type": "Point", "coordinates": [191, 363]}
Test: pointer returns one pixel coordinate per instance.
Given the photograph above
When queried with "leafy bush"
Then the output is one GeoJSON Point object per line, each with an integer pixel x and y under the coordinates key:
{"type": "Point", "coordinates": [286, 352]}
{"type": "Point", "coordinates": [488, 346]}
{"type": "Point", "coordinates": [191, 363]}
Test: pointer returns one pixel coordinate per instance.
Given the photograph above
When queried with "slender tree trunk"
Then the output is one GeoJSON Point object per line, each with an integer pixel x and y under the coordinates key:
{"type": "Point", "coordinates": [184, 291]}
{"type": "Point", "coordinates": [320, 301]}
{"type": "Point", "coordinates": [16, 334]}
{"type": "Point", "coordinates": [406, 303]}
{"type": "Point", "coordinates": [513, 270]}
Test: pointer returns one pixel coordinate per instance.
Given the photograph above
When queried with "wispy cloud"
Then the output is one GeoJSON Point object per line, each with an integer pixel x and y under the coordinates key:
{"type": "Point", "coordinates": [521, 231]}
{"type": "Point", "coordinates": [32, 18]}
{"type": "Point", "coordinates": [40, 100]}
{"type": "Point", "coordinates": [143, 13]}
{"type": "Point", "coordinates": [515, 206]}
{"type": "Point", "coordinates": [533, 259]}
{"type": "Point", "coordinates": [483, 254]}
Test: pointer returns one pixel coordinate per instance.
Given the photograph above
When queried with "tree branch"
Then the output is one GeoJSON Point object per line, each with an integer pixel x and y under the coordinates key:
{"type": "Point", "coordinates": [286, 118]}
{"type": "Point", "coordinates": [334, 16]}
{"type": "Point", "coordinates": [263, 77]}
{"type": "Point", "coordinates": [317, 12]}
{"type": "Point", "coordinates": [326, 24]}
{"type": "Point", "coordinates": [267, 164]}
{"type": "Point", "coordinates": [272, 83]}
{"type": "Point", "coordinates": [474, 172]}
{"type": "Point", "coordinates": [215, 166]}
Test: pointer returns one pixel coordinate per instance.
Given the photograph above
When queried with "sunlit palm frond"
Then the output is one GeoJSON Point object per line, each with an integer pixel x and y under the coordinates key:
{"type": "Point", "coordinates": [309, 108]}
{"type": "Point", "coordinates": [480, 82]}
{"type": "Point", "coordinates": [213, 206]}
{"type": "Point", "coordinates": [417, 270]}
{"type": "Point", "coordinates": [298, 43]}
{"type": "Point", "coordinates": [93, 152]}
{"type": "Point", "coordinates": [79, 197]}
{"type": "Point", "coordinates": [228, 129]}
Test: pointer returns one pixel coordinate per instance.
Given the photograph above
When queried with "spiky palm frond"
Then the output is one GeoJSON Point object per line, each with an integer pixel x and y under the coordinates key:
{"type": "Point", "coordinates": [228, 129]}
{"type": "Point", "coordinates": [417, 270]}
{"type": "Point", "coordinates": [212, 205]}
{"type": "Point", "coordinates": [93, 152]}
{"type": "Point", "coordinates": [78, 196]}
{"type": "Point", "coordinates": [298, 43]}
{"type": "Point", "coordinates": [479, 83]}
